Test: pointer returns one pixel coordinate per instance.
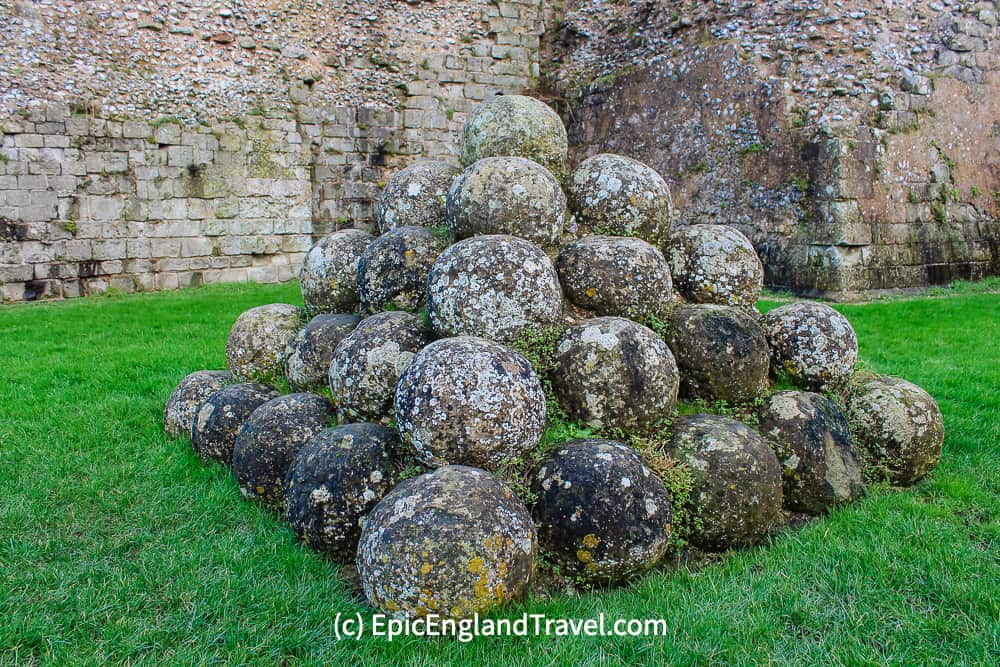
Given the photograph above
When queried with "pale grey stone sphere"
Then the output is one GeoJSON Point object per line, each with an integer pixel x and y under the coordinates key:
{"type": "Point", "coordinates": [715, 264]}
{"type": "Point", "coordinates": [329, 276]}
{"type": "Point", "coordinates": [415, 196]}
{"type": "Point", "coordinates": [515, 125]}
{"type": "Point", "coordinates": [258, 341]}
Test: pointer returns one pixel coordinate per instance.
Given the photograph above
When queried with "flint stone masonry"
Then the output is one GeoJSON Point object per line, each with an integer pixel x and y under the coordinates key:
{"type": "Point", "coordinates": [91, 202]}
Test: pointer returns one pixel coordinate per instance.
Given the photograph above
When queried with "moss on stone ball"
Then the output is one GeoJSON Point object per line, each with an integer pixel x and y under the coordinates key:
{"type": "Point", "coordinates": [715, 264]}
{"type": "Point", "coordinates": [187, 397]}
{"type": "Point", "coordinates": [615, 373]}
{"type": "Point", "coordinates": [415, 196]}
{"type": "Point", "coordinates": [898, 428]}
{"type": "Point", "coordinates": [269, 440]}
{"type": "Point", "coordinates": [329, 275]}
{"type": "Point", "coordinates": [515, 125]}
{"type": "Point", "coordinates": [601, 513]}
{"type": "Point", "coordinates": [368, 362]}
{"type": "Point", "coordinates": [335, 479]}
{"type": "Point", "coordinates": [454, 542]}
{"type": "Point", "coordinates": [737, 495]}
{"type": "Point", "coordinates": [258, 342]}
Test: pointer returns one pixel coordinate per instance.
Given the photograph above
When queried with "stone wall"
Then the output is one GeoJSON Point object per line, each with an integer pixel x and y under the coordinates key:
{"type": "Point", "coordinates": [89, 203]}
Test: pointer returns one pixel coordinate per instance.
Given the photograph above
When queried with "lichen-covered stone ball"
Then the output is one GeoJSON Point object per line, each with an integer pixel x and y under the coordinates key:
{"type": "Point", "coordinates": [454, 542]}
{"type": "Point", "coordinates": [736, 499]}
{"type": "Point", "coordinates": [469, 400]}
{"type": "Point", "coordinates": [514, 125]}
{"type": "Point", "coordinates": [615, 195]}
{"type": "Point", "coordinates": [507, 195]}
{"type": "Point", "coordinates": [615, 275]}
{"type": "Point", "coordinates": [819, 460]}
{"type": "Point", "coordinates": [811, 343]}
{"type": "Point", "coordinates": [307, 360]}
{"type": "Point", "coordinates": [269, 440]}
{"type": "Point", "coordinates": [336, 479]}
{"type": "Point", "coordinates": [493, 287]}
{"type": "Point", "coordinates": [187, 397]}
{"type": "Point", "coordinates": [600, 512]}
{"type": "Point", "coordinates": [715, 264]}
{"type": "Point", "coordinates": [415, 196]}
{"type": "Point", "coordinates": [329, 276]}
{"type": "Point", "coordinates": [258, 341]}
{"type": "Point", "coordinates": [898, 428]}
{"type": "Point", "coordinates": [392, 272]}
{"type": "Point", "coordinates": [615, 373]}
{"type": "Point", "coordinates": [222, 414]}
{"type": "Point", "coordinates": [721, 352]}
{"type": "Point", "coordinates": [368, 362]}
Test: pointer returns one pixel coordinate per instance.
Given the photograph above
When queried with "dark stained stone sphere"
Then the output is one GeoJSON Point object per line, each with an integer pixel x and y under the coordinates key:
{"type": "Point", "coordinates": [493, 287]}
{"type": "Point", "coordinates": [368, 362]}
{"type": "Point", "coordinates": [721, 352]}
{"type": "Point", "coordinates": [258, 341]}
{"type": "Point", "coordinates": [613, 372]}
{"type": "Point", "coordinates": [329, 276]}
{"type": "Point", "coordinates": [615, 195]}
{"type": "Point", "coordinates": [269, 440]}
{"type": "Point", "coordinates": [468, 400]}
{"type": "Point", "coordinates": [715, 264]}
{"type": "Point", "coordinates": [810, 436]}
{"type": "Point", "coordinates": [898, 428]}
{"type": "Point", "coordinates": [187, 397]}
{"type": "Point", "coordinates": [336, 478]}
{"type": "Point", "coordinates": [415, 196]}
{"type": "Point", "coordinates": [307, 360]}
{"type": "Point", "coordinates": [601, 513]}
{"type": "Point", "coordinates": [221, 415]}
{"type": "Point", "coordinates": [615, 275]}
{"type": "Point", "coordinates": [392, 272]}
{"type": "Point", "coordinates": [454, 542]}
{"type": "Point", "coordinates": [812, 343]}
{"type": "Point", "coordinates": [514, 125]}
{"type": "Point", "coordinates": [737, 480]}
{"type": "Point", "coordinates": [507, 195]}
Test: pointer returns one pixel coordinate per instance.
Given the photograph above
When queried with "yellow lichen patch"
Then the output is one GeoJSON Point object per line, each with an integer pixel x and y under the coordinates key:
{"type": "Point", "coordinates": [584, 556]}
{"type": "Point", "coordinates": [476, 565]}
{"type": "Point", "coordinates": [591, 293]}
{"type": "Point", "coordinates": [426, 568]}
{"type": "Point", "coordinates": [259, 490]}
{"type": "Point", "coordinates": [590, 540]}
{"type": "Point", "coordinates": [499, 593]}
{"type": "Point", "coordinates": [391, 606]}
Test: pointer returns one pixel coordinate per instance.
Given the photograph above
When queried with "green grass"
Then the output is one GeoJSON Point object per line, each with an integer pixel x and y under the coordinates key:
{"type": "Point", "coordinates": [117, 545]}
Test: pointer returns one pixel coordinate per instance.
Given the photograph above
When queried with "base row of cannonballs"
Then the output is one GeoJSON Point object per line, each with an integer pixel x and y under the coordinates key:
{"type": "Point", "coordinates": [458, 540]}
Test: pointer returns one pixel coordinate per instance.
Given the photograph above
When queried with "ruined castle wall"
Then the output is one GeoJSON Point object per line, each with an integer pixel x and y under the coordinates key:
{"type": "Point", "coordinates": [91, 203]}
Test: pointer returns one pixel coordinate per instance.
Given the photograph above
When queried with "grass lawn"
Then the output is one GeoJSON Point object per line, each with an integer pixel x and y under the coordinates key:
{"type": "Point", "coordinates": [117, 545]}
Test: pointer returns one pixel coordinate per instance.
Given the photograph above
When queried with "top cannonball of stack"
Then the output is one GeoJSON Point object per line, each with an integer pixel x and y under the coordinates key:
{"type": "Point", "coordinates": [515, 126]}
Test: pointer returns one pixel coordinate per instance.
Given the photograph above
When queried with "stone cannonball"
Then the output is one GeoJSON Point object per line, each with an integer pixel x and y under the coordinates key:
{"type": "Point", "coordinates": [415, 196]}
{"type": "Point", "coordinates": [619, 196]}
{"type": "Point", "coordinates": [469, 400]}
{"type": "Point", "coordinates": [721, 352]}
{"type": "Point", "coordinates": [392, 272]}
{"type": "Point", "coordinates": [493, 287]}
{"type": "Point", "coordinates": [615, 275]}
{"type": "Point", "coordinates": [613, 372]}
{"type": "Point", "coordinates": [811, 438]}
{"type": "Point", "coordinates": [737, 480]}
{"type": "Point", "coordinates": [507, 195]}
{"type": "Point", "coordinates": [187, 397]}
{"type": "Point", "coordinates": [812, 343]}
{"type": "Point", "coordinates": [258, 341]}
{"type": "Point", "coordinates": [454, 542]}
{"type": "Point", "coordinates": [222, 414]}
{"type": "Point", "coordinates": [269, 440]}
{"type": "Point", "coordinates": [368, 362]}
{"type": "Point", "coordinates": [335, 480]}
{"type": "Point", "coordinates": [307, 360]}
{"type": "Point", "coordinates": [600, 512]}
{"type": "Point", "coordinates": [329, 276]}
{"type": "Point", "coordinates": [715, 264]}
{"type": "Point", "coordinates": [898, 428]}
{"type": "Point", "coordinates": [514, 125]}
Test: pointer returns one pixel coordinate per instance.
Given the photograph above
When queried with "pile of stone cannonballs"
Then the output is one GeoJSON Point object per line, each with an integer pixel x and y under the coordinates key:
{"type": "Point", "coordinates": [404, 361]}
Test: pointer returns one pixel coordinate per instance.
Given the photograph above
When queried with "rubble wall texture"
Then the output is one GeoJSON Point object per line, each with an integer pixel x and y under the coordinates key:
{"type": "Point", "coordinates": [91, 201]}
